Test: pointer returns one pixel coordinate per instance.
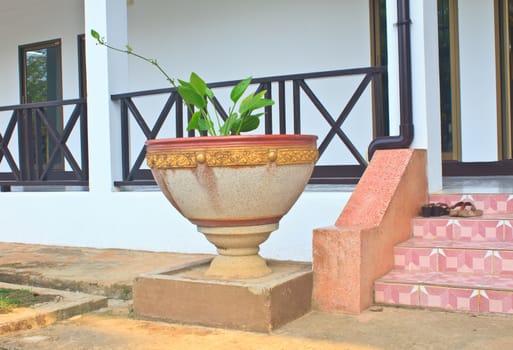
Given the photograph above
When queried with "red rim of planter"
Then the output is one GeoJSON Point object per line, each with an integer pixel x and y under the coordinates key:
{"type": "Point", "coordinates": [233, 140]}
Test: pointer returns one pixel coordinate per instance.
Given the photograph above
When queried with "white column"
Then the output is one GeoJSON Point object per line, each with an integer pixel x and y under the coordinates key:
{"type": "Point", "coordinates": [107, 73]}
{"type": "Point", "coordinates": [425, 82]}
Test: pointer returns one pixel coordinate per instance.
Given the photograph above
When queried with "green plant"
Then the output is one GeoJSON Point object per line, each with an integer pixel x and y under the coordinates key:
{"type": "Point", "coordinates": [14, 298]}
{"type": "Point", "coordinates": [199, 98]}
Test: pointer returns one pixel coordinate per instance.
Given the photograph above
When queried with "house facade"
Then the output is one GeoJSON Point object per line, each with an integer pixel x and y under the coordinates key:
{"type": "Point", "coordinates": [71, 141]}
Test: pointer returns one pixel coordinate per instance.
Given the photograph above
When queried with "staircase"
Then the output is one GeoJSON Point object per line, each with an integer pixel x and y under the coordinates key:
{"type": "Point", "coordinates": [454, 263]}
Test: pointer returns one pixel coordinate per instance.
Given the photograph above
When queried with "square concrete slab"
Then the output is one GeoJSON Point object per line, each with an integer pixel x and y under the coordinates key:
{"type": "Point", "coordinates": [185, 295]}
{"type": "Point", "coordinates": [64, 305]}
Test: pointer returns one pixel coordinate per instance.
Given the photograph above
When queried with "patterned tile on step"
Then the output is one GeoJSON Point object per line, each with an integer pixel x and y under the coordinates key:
{"type": "Point", "coordinates": [465, 261]}
{"type": "Point", "coordinates": [441, 243]}
{"type": "Point", "coordinates": [459, 280]}
{"type": "Point", "coordinates": [473, 281]}
{"type": "Point", "coordinates": [415, 259]}
{"type": "Point", "coordinates": [493, 203]}
{"type": "Point", "coordinates": [496, 301]}
{"type": "Point", "coordinates": [412, 277]}
{"type": "Point", "coordinates": [478, 230]}
{"type": "Point", "coordinates": [429, 228]}
{"type": "Point", "coordinates": [462, 299]}
{"type": "Point", "coordinates": [503, 263]}
{"type": "Point", "coordinates": [489, 203]}
{"type": "Point", "coordinates": [449, 280]}
{"type": "Point", "coordinates": [502, 282]}
{"type": "Point", "coordinates": [403, 294]}
{"type": "Point", "coordinates": [498, 216]}
{"type": "Point", "coordinates": [508, 230]}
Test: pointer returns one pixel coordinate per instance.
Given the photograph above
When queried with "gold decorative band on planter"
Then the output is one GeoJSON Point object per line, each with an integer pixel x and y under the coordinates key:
{"type": "Point", "coordinates": [225, 157]}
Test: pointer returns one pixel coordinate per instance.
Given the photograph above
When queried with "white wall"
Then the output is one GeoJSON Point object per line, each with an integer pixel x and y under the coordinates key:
{"type": "Point", "coordinates": [231, 39]}
{"type": "Point", "coordinates": [426, 88]}
{"type": "Point", "coordinates": [478, 80]}
{"type": "Point", "coordinates": [145, 220]}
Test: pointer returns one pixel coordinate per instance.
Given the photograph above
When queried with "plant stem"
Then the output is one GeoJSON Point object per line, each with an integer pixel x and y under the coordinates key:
{"type": "Point", "coordinates": [149, 60]}
{"type": "Point", "coordinates": [219, 124]}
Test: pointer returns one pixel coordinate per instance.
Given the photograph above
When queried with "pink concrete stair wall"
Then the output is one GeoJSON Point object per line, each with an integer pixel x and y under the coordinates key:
{"type": "Point", "coordinates": [350, 255]}
{"type": "Point", "coordinates": [453, 263]}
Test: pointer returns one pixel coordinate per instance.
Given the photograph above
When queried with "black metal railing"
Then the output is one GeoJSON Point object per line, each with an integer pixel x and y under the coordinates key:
{"type": "Point", "coordinates": [34, 146]}
{"type": "Point", "coordinates": [134, 174]}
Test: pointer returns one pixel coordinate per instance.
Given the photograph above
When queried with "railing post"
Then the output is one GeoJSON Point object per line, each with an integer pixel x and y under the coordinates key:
{"type": "Point", "coordinates": [37, 164]}
{"type": "Point", "coordinates": [282, 108]}
{"type": "Point", "coordinates": [179, 116]}
{"type": "Point", "coordinates": [125, 149]}
{"type": "Point", "coordinates": [297, 107]}
{"type": "Point", "coordinates": [84, 154]}
{"type": "Point", "coordinates": [268, 111]}
{"type": "Point", "coordinates": [24, 144]}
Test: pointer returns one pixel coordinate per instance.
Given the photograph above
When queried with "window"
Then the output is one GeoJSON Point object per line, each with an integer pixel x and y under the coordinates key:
{"type": "Point", "coordinates": [379, 58]}
{"type": "Point", "coordinates": [40, 81]}
{"type": "Point", "coordinates": [449, 78]}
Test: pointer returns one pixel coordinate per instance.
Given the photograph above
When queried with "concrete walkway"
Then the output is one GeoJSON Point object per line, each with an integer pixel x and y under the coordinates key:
{"type": "Point", "coordinates": [107, 272]}
{"type": "Point", "coordinates": [114, 328]}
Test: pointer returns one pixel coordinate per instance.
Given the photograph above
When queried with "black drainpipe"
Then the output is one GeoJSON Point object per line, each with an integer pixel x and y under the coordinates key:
{"type": "Point", "coordinates": [405, 137]}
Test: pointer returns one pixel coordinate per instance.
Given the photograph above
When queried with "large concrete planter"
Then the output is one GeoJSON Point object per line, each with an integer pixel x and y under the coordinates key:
{"type": "Point", "coordinates": [235, 189]}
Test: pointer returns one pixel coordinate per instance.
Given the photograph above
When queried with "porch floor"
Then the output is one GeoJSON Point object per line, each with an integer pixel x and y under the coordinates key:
{"type": "Point", "coordinates": [478, 184]}
{"type": "Point", "coordinates": [114, 327]}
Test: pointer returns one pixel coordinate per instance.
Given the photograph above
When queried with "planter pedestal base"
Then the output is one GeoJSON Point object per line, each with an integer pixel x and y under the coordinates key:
{"type": "Point", "coordinates": [238, 248]}
{"type": "Point", "coordinates": [187, 295]}
{"type": "Point", "coordinates": [228, 267]}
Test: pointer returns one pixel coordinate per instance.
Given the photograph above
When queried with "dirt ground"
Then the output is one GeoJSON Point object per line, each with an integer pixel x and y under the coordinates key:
{"type": "Point", "coordinates": [391, 328]}
{"type": "Point", "coordinates": [94, 271]}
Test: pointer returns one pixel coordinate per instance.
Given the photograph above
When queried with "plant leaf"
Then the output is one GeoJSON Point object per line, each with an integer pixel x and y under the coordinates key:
{"type": "Point", "coordinates": [262, 103]}
{"type": "Point", "coordinates": [194, 122]}
{"type": "Point", "coordinates": [253, 102]}
{"type": "Point", "coordinates": [209, 93]}
{"type": "Point", "coordinates": [203, 125]}
{"type": "Point", "coordinates": [191, 97]}
{"type": "Point", "coordinates": [228, 124]}
{"type": "Point", "coordinates": [256, 115]}
{"type": "Point", "coordinates": [249, 123]}
{"type": "Point", "coordinates": [246, 124]}
{"type": "Point", "coordinates": [95, 34]}
{"type": "Point", "coordinates": [198, 84]}
{"type": "Point", "coordinates": [246, 103]}
{"type": "Point", "coordinates": [239, 89]}
{"type": "Point", "coordinates": [197, 122]}
{"type": "Point", "coordinates": [184, 83]}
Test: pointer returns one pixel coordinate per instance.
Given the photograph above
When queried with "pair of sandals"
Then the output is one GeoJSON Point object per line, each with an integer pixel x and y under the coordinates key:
{"type": "Point", "coordinates": [434, 209]}
{"type": "Point", "coordinates": [465, 209]}
{"type": "Point", "coordinates": [460, 209]}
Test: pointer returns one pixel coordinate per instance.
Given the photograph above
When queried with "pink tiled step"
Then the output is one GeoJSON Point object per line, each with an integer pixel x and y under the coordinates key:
{"type": "Point", "coordinates": [488, 227]}
{"type": "Point", "coordinates": [489, 203]}
{"type": "Point", "coordinates": [494, 258]}
{"type": "Point", "coordinates": [454, 263]}
{"type": "Point", "coordinates": [447, 291]}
